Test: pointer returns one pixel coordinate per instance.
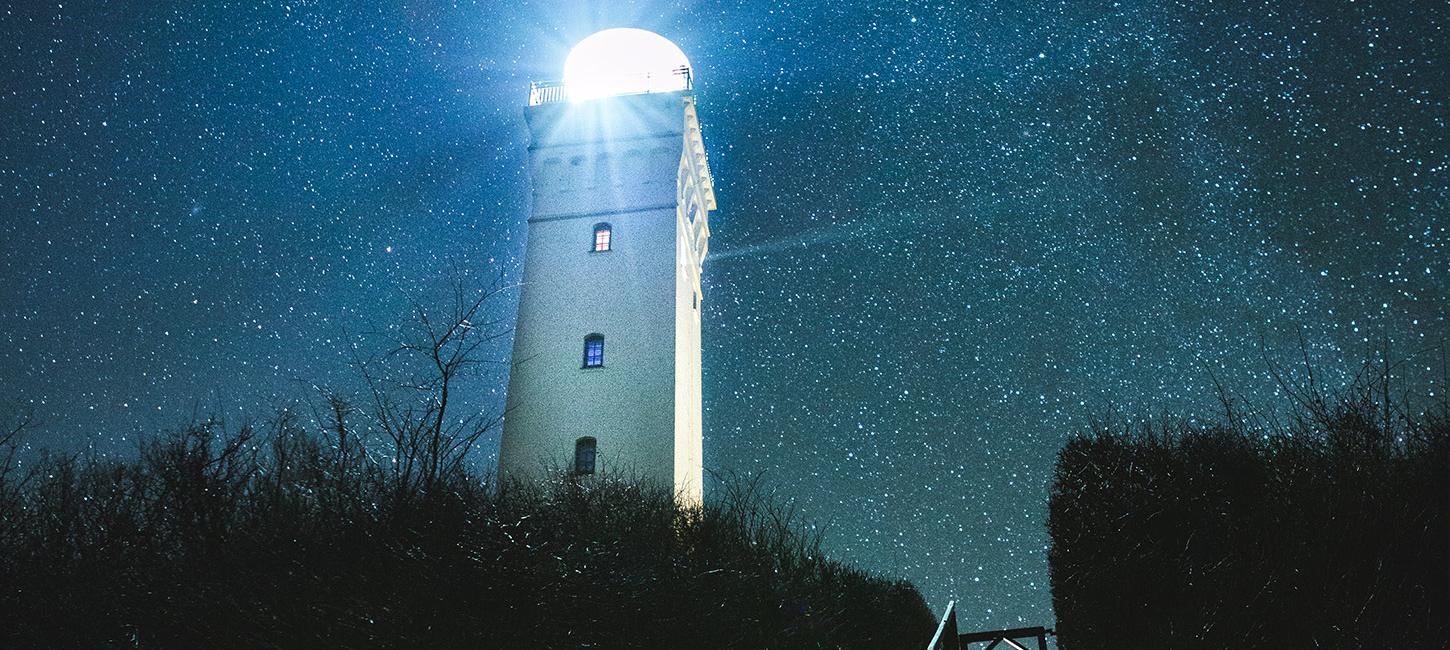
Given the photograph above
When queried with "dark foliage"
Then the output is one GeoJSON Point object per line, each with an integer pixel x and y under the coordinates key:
{"type": "Point", "coordinates": [283, 538]}
{"type": "Point", "coordinates": [1328, 530]}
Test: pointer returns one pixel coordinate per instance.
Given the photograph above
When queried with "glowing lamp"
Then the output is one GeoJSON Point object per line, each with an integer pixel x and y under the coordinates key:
{"type": "Point", "coordinates": [624, 61]}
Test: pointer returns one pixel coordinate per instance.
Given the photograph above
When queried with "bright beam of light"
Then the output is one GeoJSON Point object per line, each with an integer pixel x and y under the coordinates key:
{"type": "Point", "coordinates": [624, 61]}
{"type": "Point", "coordinates": [814, 237]}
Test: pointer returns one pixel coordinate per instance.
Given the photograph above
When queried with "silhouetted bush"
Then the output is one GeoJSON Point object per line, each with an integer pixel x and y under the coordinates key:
{"type": "Point", "coordinates": [1326, 531]}
{"type": "Point", "coordinates": [288, 539]}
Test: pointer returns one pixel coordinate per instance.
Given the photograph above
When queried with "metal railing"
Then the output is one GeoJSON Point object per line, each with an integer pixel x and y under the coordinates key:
{"type": "Point", "coordinates": [549, 92]}
{"type": "Point", "coordinates": [546, 92]}
{"type": "Point", "coordinates": [948, 638]}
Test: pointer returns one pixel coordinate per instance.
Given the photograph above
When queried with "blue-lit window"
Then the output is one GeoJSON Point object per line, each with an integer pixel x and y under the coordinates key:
{"type": "Point", "coordinates": [603, 233]}
{"type": "Point", "coordinates": [594, 351]}
{"type": "Point", "coordinates": [585, 451]}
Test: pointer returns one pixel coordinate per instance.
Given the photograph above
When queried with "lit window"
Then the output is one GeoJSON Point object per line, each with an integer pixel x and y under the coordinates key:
{"type": "Point", "coordinates": [594, 351]}
{"type": "Point", "coordinates": [585, 451]}
{"type": "Point", "coordinates": [602, 232]}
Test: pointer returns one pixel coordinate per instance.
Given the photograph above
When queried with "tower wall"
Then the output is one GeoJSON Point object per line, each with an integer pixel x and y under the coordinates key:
{"type": "Point", "coordinates": [629, 162]}
{"type": "Point", "coordinates": [695, 198]}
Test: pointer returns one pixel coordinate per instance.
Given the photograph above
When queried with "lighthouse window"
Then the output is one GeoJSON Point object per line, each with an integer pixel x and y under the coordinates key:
{"type": "Point", "coordinates": [594, 351]}
{"type": "Point", "coordinates": [602, 232]}
{"type": "Point", "coordinates": [585, 451]}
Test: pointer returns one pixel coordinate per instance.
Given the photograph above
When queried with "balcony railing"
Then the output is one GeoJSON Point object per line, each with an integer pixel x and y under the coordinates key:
{"type": "Point", "coordinates": [549, 92]}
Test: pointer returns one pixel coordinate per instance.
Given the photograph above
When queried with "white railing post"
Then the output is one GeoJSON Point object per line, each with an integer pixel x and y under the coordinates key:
{"type": "Point", "coordinates": [946, 632]}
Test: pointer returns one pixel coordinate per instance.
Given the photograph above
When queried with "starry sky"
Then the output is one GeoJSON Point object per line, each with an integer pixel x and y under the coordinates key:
{"type": "Point", "coordinates": [950, 233]}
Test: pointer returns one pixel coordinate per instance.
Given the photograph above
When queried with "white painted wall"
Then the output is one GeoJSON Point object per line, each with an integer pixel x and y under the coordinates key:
{"type": "Point", "coordinates": [637, 163]}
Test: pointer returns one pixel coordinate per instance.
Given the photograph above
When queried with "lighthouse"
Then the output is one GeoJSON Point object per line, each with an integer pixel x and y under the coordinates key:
{"type": "Point", "coordinates": [606, 372]}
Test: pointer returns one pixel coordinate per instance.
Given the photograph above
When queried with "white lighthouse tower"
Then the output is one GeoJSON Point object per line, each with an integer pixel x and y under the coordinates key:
{"type": "Point", "coordinates": [606, 359]}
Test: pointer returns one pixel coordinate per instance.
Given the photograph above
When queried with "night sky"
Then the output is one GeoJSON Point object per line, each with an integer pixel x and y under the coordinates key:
{"type": "Point", "coordinates": [949, 233]}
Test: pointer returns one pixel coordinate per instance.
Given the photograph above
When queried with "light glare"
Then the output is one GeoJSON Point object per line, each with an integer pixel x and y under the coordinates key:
{"type": "Point", "coordinates": [624, 61]}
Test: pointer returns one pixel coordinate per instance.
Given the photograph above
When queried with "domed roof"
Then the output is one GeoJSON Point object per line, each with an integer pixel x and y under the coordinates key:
{"type": "Point", "coordinates": [624, 61]}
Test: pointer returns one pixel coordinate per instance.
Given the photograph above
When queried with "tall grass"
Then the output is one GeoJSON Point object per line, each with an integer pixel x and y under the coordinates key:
{"type": "Point", "coordinates": [1327, 529]}
{"type": "Point", "coordinates": [277, 537]}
